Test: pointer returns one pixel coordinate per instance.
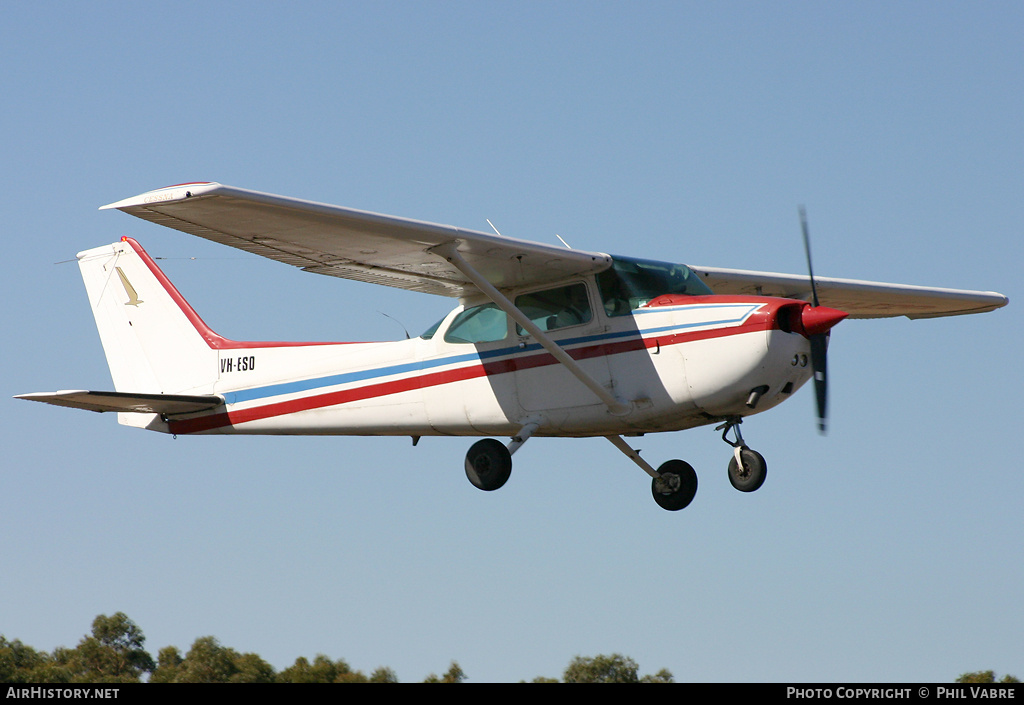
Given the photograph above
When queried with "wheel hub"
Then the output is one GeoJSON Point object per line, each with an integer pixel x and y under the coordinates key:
{"type": "Point", "coordinates": [668, 483]}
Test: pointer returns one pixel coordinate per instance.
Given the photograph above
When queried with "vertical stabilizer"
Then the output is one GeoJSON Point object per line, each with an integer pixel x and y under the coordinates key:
{"type": "Point", "coordinates": [154, 341]}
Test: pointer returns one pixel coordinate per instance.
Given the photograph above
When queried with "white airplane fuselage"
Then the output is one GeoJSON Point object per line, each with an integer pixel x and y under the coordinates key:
{"type": "Point", "coordinates": [677, 366]}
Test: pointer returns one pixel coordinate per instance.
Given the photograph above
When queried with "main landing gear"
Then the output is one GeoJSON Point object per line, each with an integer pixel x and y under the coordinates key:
{"type": "Point", "coordinates": [489, 461]}
{"type": "Point", "coordinates": [673, 485]}
{"type": "Point", "coordinates": [488, 464]}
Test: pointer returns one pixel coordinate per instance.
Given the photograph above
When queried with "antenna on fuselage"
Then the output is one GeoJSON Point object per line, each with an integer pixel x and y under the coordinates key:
{"type": "Point", "coordinates": [567, 245]}
{"type": "Point", "coordinates": [407, 336]}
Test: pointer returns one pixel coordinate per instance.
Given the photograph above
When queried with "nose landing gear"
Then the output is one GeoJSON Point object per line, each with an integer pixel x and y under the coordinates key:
{"type": "Point", "coordinates": [747, 469]}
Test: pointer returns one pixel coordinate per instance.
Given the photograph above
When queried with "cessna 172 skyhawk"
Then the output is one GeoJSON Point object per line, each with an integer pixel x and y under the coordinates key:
{"type": "Point", "coordinates": [546, 341]}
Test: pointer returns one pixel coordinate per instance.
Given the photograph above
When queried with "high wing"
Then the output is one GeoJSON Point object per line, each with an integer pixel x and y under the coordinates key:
{"type": "Point", "coordinates": [354, 244]}
{"type": "Point", "coordinates": [436, 259]}
{"type": "Point", "coordinates": [122, 402]}
{"type": "Point", "coordinates": [860, 299]}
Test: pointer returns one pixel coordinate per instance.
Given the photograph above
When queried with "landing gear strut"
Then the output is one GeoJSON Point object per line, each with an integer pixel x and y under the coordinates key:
{"type": "Point", "coordinates": [747, 469]}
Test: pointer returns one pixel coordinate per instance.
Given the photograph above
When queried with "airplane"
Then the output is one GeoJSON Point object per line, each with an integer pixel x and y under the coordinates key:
{"type": "Point", "coordinates": [545, 340]}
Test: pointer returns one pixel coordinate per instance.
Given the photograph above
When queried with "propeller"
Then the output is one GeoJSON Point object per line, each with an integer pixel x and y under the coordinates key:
{"type": "Point", "coordinates": [817, 320]}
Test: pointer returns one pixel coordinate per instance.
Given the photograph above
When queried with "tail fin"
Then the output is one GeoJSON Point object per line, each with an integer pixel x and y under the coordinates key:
{"type": "Point", "coordinates": [154, 341]}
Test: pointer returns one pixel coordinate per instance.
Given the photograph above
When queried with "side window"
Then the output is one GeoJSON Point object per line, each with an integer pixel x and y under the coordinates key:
{"type": "Point", "coordinates": [556, 308]}
{"type": "Point", "coordinates": [480, 324]}
{"type": "Point", "coordinates": [429, 332]}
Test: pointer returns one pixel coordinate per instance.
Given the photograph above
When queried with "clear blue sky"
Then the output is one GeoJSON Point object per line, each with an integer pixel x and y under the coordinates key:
{"type": "Point", "coordinates": [888, 550]}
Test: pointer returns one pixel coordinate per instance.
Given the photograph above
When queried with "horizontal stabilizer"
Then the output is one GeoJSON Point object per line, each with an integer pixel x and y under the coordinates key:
{"type": "Point", "coordinates": [124, 402]}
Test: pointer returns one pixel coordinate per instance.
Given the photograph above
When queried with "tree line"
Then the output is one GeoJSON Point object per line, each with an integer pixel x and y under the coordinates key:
{"type": "Point", "coordinates": [115, 653]}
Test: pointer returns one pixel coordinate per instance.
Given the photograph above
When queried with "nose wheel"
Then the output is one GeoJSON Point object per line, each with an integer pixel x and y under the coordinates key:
{"type": "Point", "coordinates": [749, 472]}
{"type": "Point", "coordinates": [747, 469]}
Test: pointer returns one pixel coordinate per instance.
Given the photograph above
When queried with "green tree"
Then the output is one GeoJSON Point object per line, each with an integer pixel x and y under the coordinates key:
{"type": "Point", "coordinates": [985, 677]}
{"type": "Point", "coordinates": [168, 664]}
{"type": "Point", "coordinates": [454, 674]}
{"type": "Point", "coordinates": [18, 662]}
{"type": "Point", "coordinates": [210, 662]}
{"type": "Point", "coordinates": [601, 669]}
{"type": "Point", "coordinates": [662, 676]}
{"type": "Point", "coordinates": [382, 674]}
{"type": "Point", "coordinates": [206, 662]}
{"type": "Point", "coordinates": [322, 670]}
{"type": "Point", "coordinates": [252, 669]}
{"type": "Point", "coordinates": [114, 653]}
{"type": "Point", "coordinates": [58, 667]}
{"type": "Point", "coordinates": [615, 668]}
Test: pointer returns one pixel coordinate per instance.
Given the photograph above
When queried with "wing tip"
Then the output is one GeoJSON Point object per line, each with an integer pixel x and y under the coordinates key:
{"type": "Point", "coordinates": [177, 192]}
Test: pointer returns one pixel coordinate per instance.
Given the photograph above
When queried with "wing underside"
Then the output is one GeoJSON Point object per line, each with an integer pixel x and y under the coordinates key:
{"type": "Point", "coordinates": [353, 244]}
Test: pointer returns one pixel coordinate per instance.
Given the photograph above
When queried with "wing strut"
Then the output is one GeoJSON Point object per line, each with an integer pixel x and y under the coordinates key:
{"type": "Point", "coordinates": [450, 252]}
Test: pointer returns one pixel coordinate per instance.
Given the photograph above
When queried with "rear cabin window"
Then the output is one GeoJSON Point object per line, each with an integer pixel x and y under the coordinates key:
{"type": "Point", "coordinates": [429, 332]}
{"type": "Point", "coordinates": [556, 308]}
{"type": "Point", "coordinates": [630, 283]}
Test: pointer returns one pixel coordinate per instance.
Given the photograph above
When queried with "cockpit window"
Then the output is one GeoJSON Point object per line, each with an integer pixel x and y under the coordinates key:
{"type": "Point", "coordinates": [429, 332]}
{"type": "Point", "coordinates": [556, 308]}
{"type": "Point", "coordinates": [479, 324]}
{"type": "Point", "coordinates": [630, 283]}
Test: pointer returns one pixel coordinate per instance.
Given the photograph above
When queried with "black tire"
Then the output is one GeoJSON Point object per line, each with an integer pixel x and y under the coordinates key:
{"type": "Point", "coordinates": [683, 491]}
{"type": "Point", "coordinates": [754, 474]}
{"type": "Point", "coordinates": [488, 464]}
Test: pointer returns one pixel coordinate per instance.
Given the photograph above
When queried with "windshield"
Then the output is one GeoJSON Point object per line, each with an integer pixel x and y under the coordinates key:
{"type": "Point", "coordinates": [631, 283]}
